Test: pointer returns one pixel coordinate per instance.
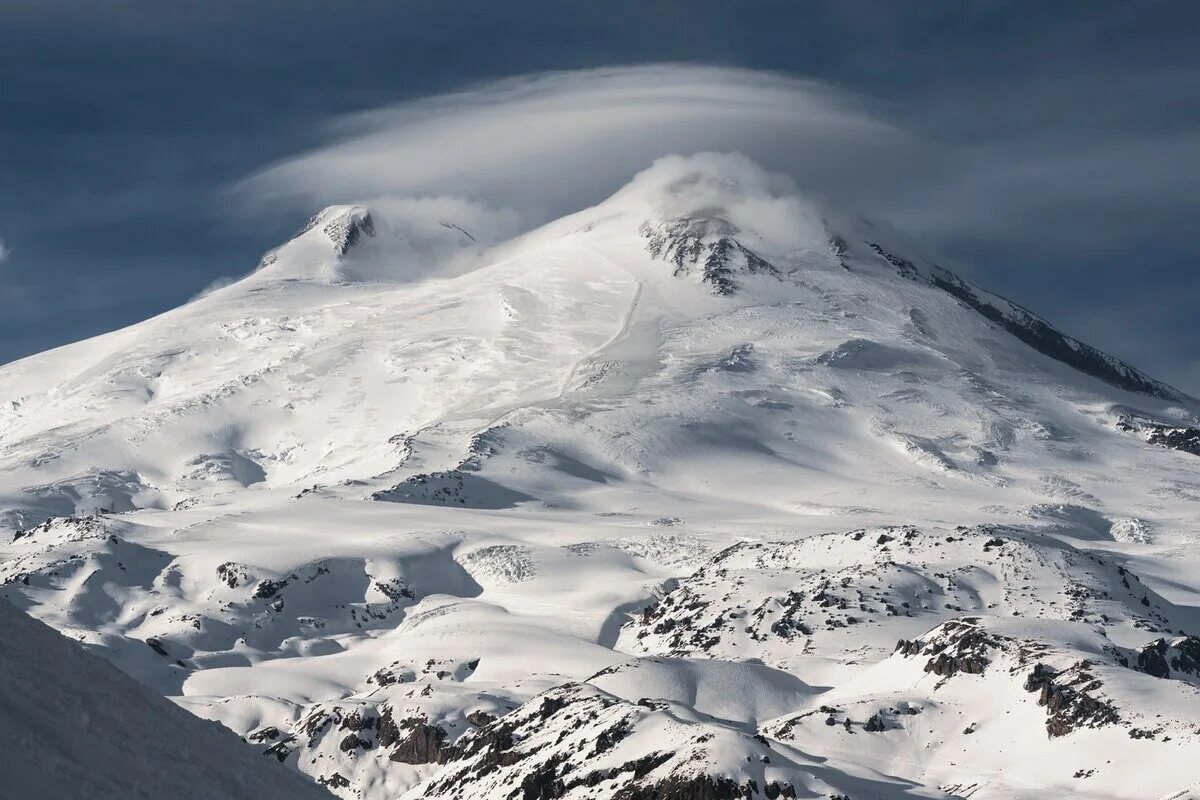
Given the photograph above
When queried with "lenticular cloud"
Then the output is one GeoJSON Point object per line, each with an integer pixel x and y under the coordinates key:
{"type": "Point", "coordinates": [549, 144]}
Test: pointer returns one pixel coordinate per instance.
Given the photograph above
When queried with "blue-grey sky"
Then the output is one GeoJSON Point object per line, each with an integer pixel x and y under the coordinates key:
{"type": "Point", "coordinates": [1050, 149]}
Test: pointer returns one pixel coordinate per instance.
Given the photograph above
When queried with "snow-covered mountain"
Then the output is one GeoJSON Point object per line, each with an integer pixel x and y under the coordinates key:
{"type": "Point", "coordinates": [704, 492]}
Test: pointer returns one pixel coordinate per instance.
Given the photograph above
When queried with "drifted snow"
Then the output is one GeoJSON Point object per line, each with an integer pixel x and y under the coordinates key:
{"type": "Point", "coordinates": [427, 514]}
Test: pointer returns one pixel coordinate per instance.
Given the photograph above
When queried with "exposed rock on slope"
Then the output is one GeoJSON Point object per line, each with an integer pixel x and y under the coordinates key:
{"type": "Point", "coordinates": [1185, 438]}
{"type": "Point", "coordinates": [824, 595]}
{"type": "Point", "coordinates": [577, 742]}
{"type": "Point", "coordinates": [707, 245]}
{"type": "Point", "coordinates": [344, 226]}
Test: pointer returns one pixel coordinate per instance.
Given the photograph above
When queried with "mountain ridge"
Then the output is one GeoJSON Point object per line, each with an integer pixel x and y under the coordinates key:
{"type": "Point", "coordinates": [406, 498]}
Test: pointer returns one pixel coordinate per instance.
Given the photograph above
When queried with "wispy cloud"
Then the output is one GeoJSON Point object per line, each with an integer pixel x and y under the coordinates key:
{"type": "Point", "coordinates": [552, 143]}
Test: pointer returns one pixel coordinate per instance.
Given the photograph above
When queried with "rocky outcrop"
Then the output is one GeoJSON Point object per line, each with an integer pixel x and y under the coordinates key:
{"type": "Point", "coordinates": [576, 740]}
{"type": "Point", "coordinates": [267, 734]}
{"type": "Point", "coordinates": [774, 600]}
{"type": "Point", "coordinates": [334, 781]}
{"type": "Point", "coordinates": [1177, 658]}
{"type": "Point", "coordinates": [1184, 438]}
{"type": "Point", "coordinates": [706, 245]}
{"type": "Point", "coordinates": [418, 742]}
{"type": "Point", "coordinates": [954, 647]}
{"type": "Point", "coordinates": [232, 574]}
{"type": "Point", "coordinates": [1075, 696]}
{"type": "Point", "coordinates": [344, 226]}
{"type": "Point", "coordinates": [1068, 699]}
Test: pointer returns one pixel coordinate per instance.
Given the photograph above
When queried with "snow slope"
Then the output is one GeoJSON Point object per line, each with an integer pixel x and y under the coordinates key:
{"type": "Point", "coordinates": [638, 504]}
{"type": "Point", "coordinates": [73, 726]}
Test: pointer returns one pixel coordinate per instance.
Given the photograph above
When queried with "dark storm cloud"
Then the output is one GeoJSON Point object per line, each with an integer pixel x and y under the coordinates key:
{"type": "Point", "coordinates": [1049, 146]}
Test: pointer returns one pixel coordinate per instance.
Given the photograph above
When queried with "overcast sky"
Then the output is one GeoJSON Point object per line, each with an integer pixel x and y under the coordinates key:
{"type": "Point", "coordinates": [1051, 150]}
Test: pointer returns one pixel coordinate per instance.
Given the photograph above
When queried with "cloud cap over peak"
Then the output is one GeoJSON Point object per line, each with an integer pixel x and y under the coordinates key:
{"type": "Point", "coordinates": [550, 144]}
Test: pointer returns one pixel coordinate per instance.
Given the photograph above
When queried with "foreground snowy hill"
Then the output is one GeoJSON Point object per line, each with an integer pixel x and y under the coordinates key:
{"type": "Point", "coordinates": [73, 726]}
{"type": "Point", "coordinates": [703, 492]}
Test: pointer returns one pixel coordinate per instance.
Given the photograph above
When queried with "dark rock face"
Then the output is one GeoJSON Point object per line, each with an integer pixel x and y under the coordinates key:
{"type": "Point", "coordinates": [389, 731]}
{"type": "Point", "coordinates": [705, 244]}
{"type": "Point", "coordinates": [231, 574]}
{"type": "Point", "coordinates": [1186, 655]}
{"type": "Point", "coordinates": [947, 665]}
{"type": "Point", "coordinates": [281, 750]}
{"type": "Point", "coordinates": [344, 230]}
{"type": "Point", "coordinates": [423, 745]}
{"type": "Point", "coordinates": [1039, 678]}
{"type": "Point", "coordinates": [1185, 439]}
{"type": "Point", "coordinates": [268, 589]}
{"type": "Point", "coordinates": [1043, 337]}
{"type": "Point", "coordinates": [268, 734]}
{"type": "Point", "coordinates": [1178, 658]}
{"type": "Point", "coordinates": [480, 718]}
{"type": "Point", "coordinates": [347, 231]}
{"type": "Point", "coordinates": [394, 590]}
{"type": "Point", "coordinates": [356, 721]}
{"type": "Point", "coordinates": [1070, 709]}
{"type": "Point", "coordinates": [838, 247]}
{"type": "Point", "coordinates": [414, 739]}
{"type": "Point", "coordinates": [334, 781]}
{"type": "Point", "coordinates": [903, 266]}
{"type": "Point", "coordinates": [353, 742]}
{"type": "Point", "coordinates": [1066, 696]}
{"type": "Point", "coordinates": [1152, 659]}
{"type": "Point", "coordinates": [956, 646]}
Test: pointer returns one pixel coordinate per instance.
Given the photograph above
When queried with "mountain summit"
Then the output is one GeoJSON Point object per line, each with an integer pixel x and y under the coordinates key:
{"type": "Point", "coordinates": [702, 492]}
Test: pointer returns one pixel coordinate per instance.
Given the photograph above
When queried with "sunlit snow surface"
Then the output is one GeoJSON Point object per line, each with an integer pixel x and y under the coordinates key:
{"type": "Point", "coordinates": [641, 501]}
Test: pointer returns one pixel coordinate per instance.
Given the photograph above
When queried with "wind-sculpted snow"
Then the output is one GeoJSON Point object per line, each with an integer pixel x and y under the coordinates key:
{"type": "Point", "coordinates": [699, 493]}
